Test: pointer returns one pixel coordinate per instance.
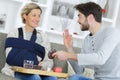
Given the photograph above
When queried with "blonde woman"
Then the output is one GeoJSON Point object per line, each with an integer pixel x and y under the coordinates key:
{"type": "Point", "coordinates": [27, 43]}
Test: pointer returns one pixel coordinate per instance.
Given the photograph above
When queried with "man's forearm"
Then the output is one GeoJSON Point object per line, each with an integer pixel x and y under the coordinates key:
{"type": "Point", "coordinates": [70, 50]}
{"type": "Point", "coordinates": [72, 56]}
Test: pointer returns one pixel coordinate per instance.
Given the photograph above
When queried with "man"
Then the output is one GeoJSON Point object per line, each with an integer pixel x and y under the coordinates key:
{"type": "Point", "coordinates": [101, 48]}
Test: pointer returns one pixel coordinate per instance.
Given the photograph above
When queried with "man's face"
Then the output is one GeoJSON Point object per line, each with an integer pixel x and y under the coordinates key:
{"type": "Point", "coordinates": [82, 20]}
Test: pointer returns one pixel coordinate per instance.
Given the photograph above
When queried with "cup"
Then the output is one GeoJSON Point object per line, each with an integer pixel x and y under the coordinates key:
{"type": "Point", "coordinates": [28, 64]}
{"type": "Point", "coordinates": [47, 66]}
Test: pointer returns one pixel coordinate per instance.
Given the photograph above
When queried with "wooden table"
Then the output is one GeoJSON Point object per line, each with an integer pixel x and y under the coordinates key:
{"type": "Point", "coordinates": [40, 72]}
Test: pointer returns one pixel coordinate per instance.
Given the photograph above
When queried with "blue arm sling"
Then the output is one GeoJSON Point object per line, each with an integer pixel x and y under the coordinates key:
{"type": "Point", "coordinates": [23, 49]}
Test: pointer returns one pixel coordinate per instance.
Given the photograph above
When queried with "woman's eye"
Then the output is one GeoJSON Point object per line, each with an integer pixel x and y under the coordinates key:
{"type": "Point", "coordinates": [34, 15]}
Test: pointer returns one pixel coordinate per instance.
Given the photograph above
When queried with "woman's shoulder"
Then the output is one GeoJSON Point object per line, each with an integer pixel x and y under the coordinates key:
{"type": "Point", "coordinates": [41, 32]}
{"type": "Point", "coordinates": [13, 32]}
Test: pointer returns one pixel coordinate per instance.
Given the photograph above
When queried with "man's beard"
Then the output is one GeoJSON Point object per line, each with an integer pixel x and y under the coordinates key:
{"type": "Point", "coordinates": [85, 26]}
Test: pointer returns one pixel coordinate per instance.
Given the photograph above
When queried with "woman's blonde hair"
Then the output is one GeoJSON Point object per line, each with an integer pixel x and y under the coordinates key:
{"type": "Point", "coordinates": [28, 8]}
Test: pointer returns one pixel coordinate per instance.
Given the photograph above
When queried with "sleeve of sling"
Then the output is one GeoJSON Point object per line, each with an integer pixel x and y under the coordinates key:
{"type": "Point", "coordinates": [24, 44]}
{"type": "Point", "coordinates": [19, 43]}
{"type": "Point", "coordinates": [40, 50]}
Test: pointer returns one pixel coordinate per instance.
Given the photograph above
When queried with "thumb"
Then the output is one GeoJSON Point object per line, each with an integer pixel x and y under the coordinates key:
{"type": "Point", "coordinates": [40, 63]}
{"type": "Point", "coordinates": [54, 54]}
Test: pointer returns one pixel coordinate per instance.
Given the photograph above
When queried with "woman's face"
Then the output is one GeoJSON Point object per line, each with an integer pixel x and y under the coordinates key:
{"type": "Point", "coordinates": [33, 18]}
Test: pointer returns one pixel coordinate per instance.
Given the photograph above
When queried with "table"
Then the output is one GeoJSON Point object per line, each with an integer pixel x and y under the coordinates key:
{"type": "Point", "coordinates": [40, 72]}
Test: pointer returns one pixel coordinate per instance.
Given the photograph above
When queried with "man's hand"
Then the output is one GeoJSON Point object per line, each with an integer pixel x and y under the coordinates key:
{"type": "Point", "coordinates": [68, 40]}
{"type": "Point", "coordinates": [61, 55]}
{"type": "Point", "coordinates": [50, 53]}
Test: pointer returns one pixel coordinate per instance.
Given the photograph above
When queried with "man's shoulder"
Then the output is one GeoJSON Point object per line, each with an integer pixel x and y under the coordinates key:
{"type": "Point", "coordinates": [113, 30]}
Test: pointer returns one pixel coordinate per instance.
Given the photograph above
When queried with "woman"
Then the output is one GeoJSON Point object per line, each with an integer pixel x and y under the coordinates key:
{"type": "Point", "coordinates": [28, 44]}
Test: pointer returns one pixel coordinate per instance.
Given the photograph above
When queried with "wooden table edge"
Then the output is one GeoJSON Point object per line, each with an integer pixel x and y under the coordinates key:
{"type": "Point", "coordinates": [40, 72]}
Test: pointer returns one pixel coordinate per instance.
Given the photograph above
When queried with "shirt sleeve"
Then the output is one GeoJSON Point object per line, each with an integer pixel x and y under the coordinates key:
{"type": "Point", "coordinates": [111, 40]}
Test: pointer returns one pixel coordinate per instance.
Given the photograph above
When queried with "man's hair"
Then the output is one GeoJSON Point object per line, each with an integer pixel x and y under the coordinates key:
{"type": "Point", "coordinates": [90, 8]}
{"type": "Point", "coordinates": [28, 8]}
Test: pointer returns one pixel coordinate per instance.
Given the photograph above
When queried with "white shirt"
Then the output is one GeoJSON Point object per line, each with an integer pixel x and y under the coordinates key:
{"type": "Point", "coordinates": [102, 50]}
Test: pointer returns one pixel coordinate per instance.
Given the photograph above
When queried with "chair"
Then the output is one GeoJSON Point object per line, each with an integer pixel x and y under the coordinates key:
{"type": "Point", "coordinates": [3, 58]}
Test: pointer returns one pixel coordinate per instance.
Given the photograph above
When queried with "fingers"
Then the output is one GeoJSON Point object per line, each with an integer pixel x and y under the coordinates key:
{"type": "Point", "coordinates": [66, 32]}
{"type": "Point", "coordinates": [40, 63]}
{"type": "Point", "coordinates": [61, 55]}
{"type": "Point", "coordinates": [51, 52]}
{"type": "Point", "coordinates": [54, 54]}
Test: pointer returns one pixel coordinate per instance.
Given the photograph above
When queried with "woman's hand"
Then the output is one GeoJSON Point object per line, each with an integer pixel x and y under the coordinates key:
{"type": "Point", "coordinates": [40, 63]}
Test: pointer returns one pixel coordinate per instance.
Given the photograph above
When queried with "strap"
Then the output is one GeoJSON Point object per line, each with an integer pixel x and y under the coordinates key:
{"type": "Point", "coordinates": [34, 32]}
{"type": "Point", "coordinates": [33, 37]}
{"type": "Point", "coordinates": [20, 32]}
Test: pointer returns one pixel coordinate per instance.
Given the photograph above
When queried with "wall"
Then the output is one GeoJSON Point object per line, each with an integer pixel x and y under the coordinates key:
{"type": "Point", "coordinates": [118, 20]}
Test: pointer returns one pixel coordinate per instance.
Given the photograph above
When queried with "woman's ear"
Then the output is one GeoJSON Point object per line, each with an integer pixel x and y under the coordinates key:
{"type": "Point", "coordinates": [24, 16]}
